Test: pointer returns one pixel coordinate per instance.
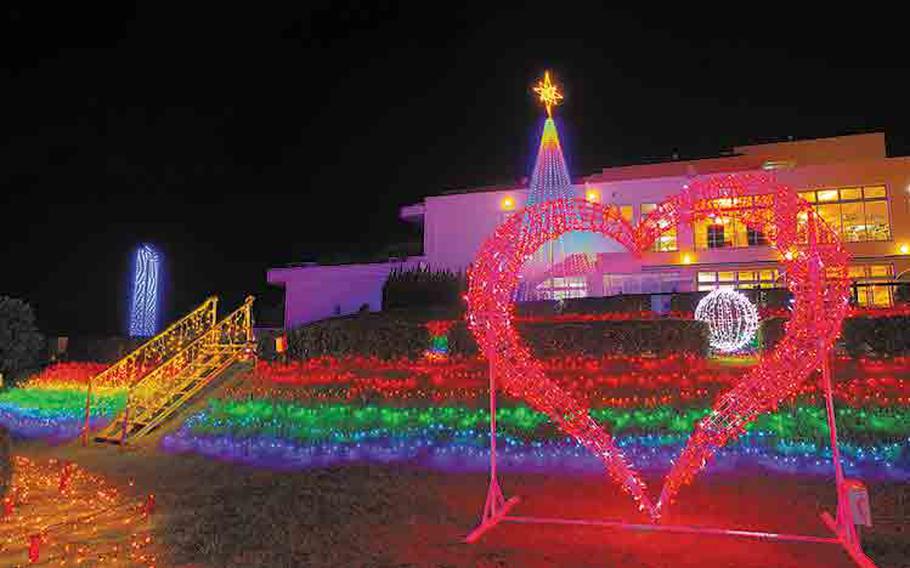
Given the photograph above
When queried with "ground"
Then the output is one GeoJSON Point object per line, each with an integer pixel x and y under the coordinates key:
{"type": "Point", "coordinates": [211, 513]}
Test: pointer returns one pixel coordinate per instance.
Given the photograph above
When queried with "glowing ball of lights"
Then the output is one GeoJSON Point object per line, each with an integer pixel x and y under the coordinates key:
{"type": "Point", "coordinates": [732, 319]}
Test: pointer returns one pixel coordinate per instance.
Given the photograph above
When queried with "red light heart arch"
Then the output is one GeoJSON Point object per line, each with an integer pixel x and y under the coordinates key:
{"type": "Point", "coordinates": [814, 262]}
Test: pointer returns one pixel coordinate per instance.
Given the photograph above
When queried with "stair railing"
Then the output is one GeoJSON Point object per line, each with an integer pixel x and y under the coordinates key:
{"type": "Point", "coordinates": [233, 334]}
{"type": "Point", "coordinates": [130, 369]}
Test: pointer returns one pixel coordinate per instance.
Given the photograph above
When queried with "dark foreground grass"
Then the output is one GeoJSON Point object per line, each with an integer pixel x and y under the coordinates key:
{"type": "Point", "coordinates": [223, 515]}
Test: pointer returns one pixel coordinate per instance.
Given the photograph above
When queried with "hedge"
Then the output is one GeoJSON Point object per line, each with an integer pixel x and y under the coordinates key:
{"type": "Point", "coordinates": [771, 331]}
{"type": "Point", "coordinates": [21, 345]}
{"type": "Point", "coordinates": [393, 335]}
{"type": "Point", "coordinates": [397, 336]}
{"type": "Point", "coordinates": [379, 335]}
{"type": "Point", "coordinates": [860, 337]}
{"type": "Point", "coordinates": [877, 337]}
{"type": "Point", "coordinates": [422, 287]}
{"type": "Point", "coordinates": [635, 337]}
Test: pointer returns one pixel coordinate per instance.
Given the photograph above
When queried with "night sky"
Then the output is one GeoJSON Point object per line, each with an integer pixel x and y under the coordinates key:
{"type": "Point", "coordinates": [239, 138]}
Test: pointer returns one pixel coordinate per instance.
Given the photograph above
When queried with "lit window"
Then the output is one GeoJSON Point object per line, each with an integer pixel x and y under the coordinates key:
{"type": "Point", "coordinates": [878, 226]}
{"type": "Point", "coordinates": [880, 270]}
{"type": "Point", "coordinates": [755, 238]}
{"type": "Point", "coordinates": [830, 214]}
{"type": "Point", "coordinates": [877, 191]}
{"type": "Point", "coordinates": [870, 289]}
{"type": "Point", "coordinates": [827, 195]}
{"type": "Point", "coordinates": [561, 288]}
{"type": "Point", "coordinates": [626, 212]}
{"type": "Point", "coordinates": [850, 193]}
{"type": "Point", "coordinates": [720, 232]}
{"type": "Point", "coordinates": [741, 279]}
{"type": "Point", "coordinates": [857, 214]}
{"type": "Point", "coordinates": [666, 242]}
{"type": "Point", "coordinates": [808, 196]}
{"type": "Point", "coordinates": [716, 236]}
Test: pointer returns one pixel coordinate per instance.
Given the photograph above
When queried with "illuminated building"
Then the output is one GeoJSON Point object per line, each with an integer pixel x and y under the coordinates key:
{"type": "Point", "coordinates": [145, 295]}
{"type": "Point", "coordinates": [855, 187]}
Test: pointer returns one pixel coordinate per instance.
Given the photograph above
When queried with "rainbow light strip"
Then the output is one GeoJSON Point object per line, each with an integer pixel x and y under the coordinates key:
{"type": "Point", "coordinates": [290, 436]}
{"type": "Point", "coordinates": [57, 414]}
{"type": "Point", "coordinates": [312, 413]}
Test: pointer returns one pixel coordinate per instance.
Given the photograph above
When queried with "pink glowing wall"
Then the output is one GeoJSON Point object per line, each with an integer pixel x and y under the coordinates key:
{"type": "Point", "coordinates": [318, 292]}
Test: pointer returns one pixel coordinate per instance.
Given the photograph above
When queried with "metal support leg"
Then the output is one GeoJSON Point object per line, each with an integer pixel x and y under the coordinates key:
{"type": "Point", "coordinates": [496, 506]}
{"type": "Point", "coordinates": [842, 524]}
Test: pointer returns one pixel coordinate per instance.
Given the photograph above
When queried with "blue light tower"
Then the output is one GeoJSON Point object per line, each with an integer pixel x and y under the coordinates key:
{"type": "Point", "coordinates": [145, 297]}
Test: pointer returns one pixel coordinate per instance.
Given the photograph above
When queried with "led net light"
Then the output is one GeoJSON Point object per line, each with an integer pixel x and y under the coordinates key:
{"type": "Point", "coordinates": [145, 299]}
{"type": "Point", "coordinates": [732, 319]}
{"type": "Point", "coordinates": [813, 259]}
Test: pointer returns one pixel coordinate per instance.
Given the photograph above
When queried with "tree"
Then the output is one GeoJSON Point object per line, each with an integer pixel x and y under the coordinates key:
{"type": "Point", "coordinates": [20, 341]}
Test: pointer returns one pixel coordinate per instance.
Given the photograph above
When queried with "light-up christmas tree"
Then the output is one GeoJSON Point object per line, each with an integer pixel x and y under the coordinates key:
{"type": "Point", "coordinates": [550, 180]}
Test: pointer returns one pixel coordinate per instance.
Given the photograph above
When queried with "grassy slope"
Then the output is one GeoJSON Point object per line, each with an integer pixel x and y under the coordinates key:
{"type": "Point", "coordinates": [218, 514]}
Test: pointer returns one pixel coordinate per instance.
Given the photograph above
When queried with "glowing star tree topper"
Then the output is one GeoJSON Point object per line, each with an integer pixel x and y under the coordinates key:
{"type": "Point", "coordinates": [549, 94]}
{"type": "Point", "coordinates": [144, 307]}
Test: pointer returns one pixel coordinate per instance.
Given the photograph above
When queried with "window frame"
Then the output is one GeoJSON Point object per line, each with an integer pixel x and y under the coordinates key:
{"type": "Point", "coordinates": [881, 195]}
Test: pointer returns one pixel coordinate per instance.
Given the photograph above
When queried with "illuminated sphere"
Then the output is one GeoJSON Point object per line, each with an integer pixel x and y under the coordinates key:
{"type": "Point", "coordinates": [732, 319]}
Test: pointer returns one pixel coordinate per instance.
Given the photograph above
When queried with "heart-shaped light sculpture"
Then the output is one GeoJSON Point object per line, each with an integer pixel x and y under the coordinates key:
{"type": "Point", "coordinates": [814, 262]}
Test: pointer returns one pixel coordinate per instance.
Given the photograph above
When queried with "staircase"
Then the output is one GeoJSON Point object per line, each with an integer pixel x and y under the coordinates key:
{"type": "Point", "coordinates": [162, 391]}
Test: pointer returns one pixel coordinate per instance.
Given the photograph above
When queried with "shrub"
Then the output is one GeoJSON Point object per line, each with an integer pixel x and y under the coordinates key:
{"type": "Point", "coordinates": [20, 342]}
{"type": "Point", "coordinates": [380, 335]}
{"type": "Point", "coordinates": [633, 337]}
{"type": "Point", "coordinates": [390, 337]}
{"type": "Point", "coordinates": [421, 288]}
{"type": "Point", "coordinates": [625, 303]}
{"type": "Point", "coordinates": [879, 337]}
{"type": "Point", "coordinates": [771, 331]}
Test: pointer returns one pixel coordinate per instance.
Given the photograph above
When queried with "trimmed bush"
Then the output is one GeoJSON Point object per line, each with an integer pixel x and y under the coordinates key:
{"type": "Point", "coordinates": [20, 343]}
{"type": "Point", "coordinates": [771, 332]}
{"type": "Point", "coordinates": [635, 337]}
{"type": "Point", "coordinates": [624, 303]}
{"type": "Point", "coordinates": [390, 337]}
{"type": "Point", "coordinates": [379, 335]}
{"type": "Point", "coordinates": [877, 337]}
{"type": "Point", "coordinates": [422, 288]}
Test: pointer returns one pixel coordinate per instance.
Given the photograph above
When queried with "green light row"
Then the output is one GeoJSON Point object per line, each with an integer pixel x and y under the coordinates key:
{"type": "Point", "coordinates": [337, 421]}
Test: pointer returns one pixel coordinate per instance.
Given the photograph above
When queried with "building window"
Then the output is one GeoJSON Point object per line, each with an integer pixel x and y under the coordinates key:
{"type": "Point", "coordinates": [643, 283]}
{"type": "Point", "coordinates": [561, 288]}
{"type": "Point", "coordinates": [868, 276]}
{"type": "Point", "coordinates": [666, 242]}
{"type": "Point", "coordinates": [716, 231]}
{"type": "Point", "coordinates": [856, 213]}
{"type": "Point", "coordinates": [716, 236]}
{"type": "Point", "coordinates": [626, 212]}
{"type": "Point", "coordinates": [744, 279]}
{"type": "Point", "coordinates": [755, 238]}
